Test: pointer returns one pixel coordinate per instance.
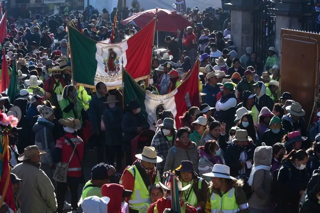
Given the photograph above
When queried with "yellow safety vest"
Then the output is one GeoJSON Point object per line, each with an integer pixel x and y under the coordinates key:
{"type": "Point", "coordinates": [192, 199]}
{"type": "Point", "coordinates": [140, 194]}
{"type": "Point", "coordinates": [84, 97]}
{"type": "Point", "coordinates": [226, 204]}
{"type": "Point", "coordinates": [255, 114]}
{"type": "Point", "coordinates": [87, 187]}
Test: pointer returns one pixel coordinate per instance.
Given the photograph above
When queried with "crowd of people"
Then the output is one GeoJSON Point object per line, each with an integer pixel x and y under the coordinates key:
{"type": "Point", "coordinates": [245, 148]}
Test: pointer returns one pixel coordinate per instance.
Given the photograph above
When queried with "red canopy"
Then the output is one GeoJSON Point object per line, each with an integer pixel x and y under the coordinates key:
{"type": "Point", "coordinates": [166, 20]}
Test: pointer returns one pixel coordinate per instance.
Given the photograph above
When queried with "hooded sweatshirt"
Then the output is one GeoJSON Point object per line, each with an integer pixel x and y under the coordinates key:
{"type": "Point", "coordinates": [262, 99]}
{"type": "Point", "coordinates": [95, 204]}
{"type": "Point", "coordinates": [260, 178]}
{"type": "Point", "coordinates": [114, 192]}
{"type": "Point", "coordinates": [262, 126]}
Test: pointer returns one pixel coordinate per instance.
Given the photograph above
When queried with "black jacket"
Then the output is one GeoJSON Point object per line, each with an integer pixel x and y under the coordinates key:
{"type": "Point", "coordinates": [245, 85]}
{"type": "Point", "coordinates": [130, 124]}
{"type": "Point", "coordinates": [173, 46]}
{"type": "Point", "coordinates": [270, 138]}
{"type": "Point", "coordinates": [241, 71]}
{"type": "Point", "coordinates": [112, 119]}
{"type": "Point", "coordinates": [232, 156]}
{"type": "Point", "coordinates": [264, 100]}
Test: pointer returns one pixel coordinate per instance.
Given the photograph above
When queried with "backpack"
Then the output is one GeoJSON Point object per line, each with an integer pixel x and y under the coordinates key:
{"type": "Point", "coordinates": [274, 186]}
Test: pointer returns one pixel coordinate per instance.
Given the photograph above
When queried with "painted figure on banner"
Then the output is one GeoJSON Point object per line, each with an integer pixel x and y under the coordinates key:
{"type": "Point", "coordinates": [112, 63]}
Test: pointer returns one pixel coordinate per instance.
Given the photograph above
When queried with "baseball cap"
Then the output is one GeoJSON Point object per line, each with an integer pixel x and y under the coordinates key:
{"type": "Point", "coordinates": [34, 98]}
{"type": "Point", "coordinates": [286, 96]}
{"type": "Point", "coordinates": [228, 85]}
{"type": "Point", "coordinates": [14, 178]}
{"type": "Point", "coordinates": [102, 171]}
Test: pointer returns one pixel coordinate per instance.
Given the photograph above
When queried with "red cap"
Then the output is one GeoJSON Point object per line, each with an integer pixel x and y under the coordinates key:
{"type": "Point", "coordinates": [174, 73]}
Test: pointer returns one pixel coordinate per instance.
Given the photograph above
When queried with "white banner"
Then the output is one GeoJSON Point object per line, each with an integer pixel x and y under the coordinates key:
{"type": "Point", "coordinates": [53, 1]}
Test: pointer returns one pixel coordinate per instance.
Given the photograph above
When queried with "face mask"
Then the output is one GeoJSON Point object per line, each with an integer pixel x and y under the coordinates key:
{"type": "Point", "coordinates": [218, 152]}
{"type": "Point", "coordinates": [150, 81]}
{"type": "Point", "coordinates": [67, 76]}
{"type": "Point", "coordinates": [302, 167]}
{"type": "Point", "coordinates": [166, 132]}
{"type": "Point", "coordinates": [57, 76]}
{"type": "Point", "coordinates": [245, 124]}
{"type": "Point", "coordinates": [112, 105]}
{"type": "Point", "coordinates": [275, 131]}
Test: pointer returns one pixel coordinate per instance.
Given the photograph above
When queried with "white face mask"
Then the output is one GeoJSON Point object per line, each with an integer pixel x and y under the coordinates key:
{"type": "Point", "coordinates": [112, 105]}
{"type": "Point", "coordinates": [218, 152]}
{"type": "Point", "coordinates": [245, 124]}
{"type": "Point", "coordinates": [150, 81]}
{"type": "Point", "coordinates": [166, 132]}
{"type": "Point", "coordinates": [302, 167]}
{"type": "Point", "coordinates": [275, 131]}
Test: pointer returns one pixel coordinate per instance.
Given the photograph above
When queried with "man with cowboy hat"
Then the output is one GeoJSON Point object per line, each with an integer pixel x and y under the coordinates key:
{"type": "Point", "coordinates": [33, 86]}
{"type": "Point", "coordinates": [196, 195]}
{"type": "Point", "coordinates": [112, 119]}
{"type": "Point", "coordinates": [54, 86]}
{"type": "Point", "coordinates": [211, 89]}
{"type": "Point", "coordinates": [294, 120]}
{"type": "Point", "coordinates": [140, 176]}
{"type": "Point", "coordinates": [239, 153]}
{"type": "Point", "coordinates": [272, 59]}
{"type": "Point", "coordinates": [163, 140]}
{"type": "Point", "coordinates": [166, 202]}
{"type": "Point", "coordinates": [36, 191]}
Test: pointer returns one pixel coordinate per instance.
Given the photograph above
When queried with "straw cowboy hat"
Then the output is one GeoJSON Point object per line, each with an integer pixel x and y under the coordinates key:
{"type": "Point", "coordinates": [241, 135]}
{"type": "Point", "coordinates": [272, 49]}
{"type": "Point", "coordinates": [221, 74]}
{"type": "Point", "coordinates": [33, 81]}
{"type": "Point", "coordinates": [210, 75]}
{"type": "Point", "coordinates": [166, 56]}
{"type": "Point", "coordinates": [72, 123]}
{"type": "Point", "coordinates": [149, 154]}
{"type": "Point", "coordinates": [168, 186]}
{"type": "Point", "coordinates": [111, 99]}
{"type": "Point", "coordinates": [295, 109]}
{"type": "Point", "coordinates": [30, 152]}
{"type": "Point", "coordinates": [220, 61]}
{"type": "Point", "coordinates": [274, 83]}
{"type": "Point", "coordinates": [16, 112]}
{"type": "Point", "coordinates": [220, 171]}
{"type": "Point", "coordinates": [56, 69]}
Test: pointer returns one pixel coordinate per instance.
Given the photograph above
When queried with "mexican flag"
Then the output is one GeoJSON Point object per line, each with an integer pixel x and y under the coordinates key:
{"type": "Point", "coordinates": [177, 101]}
{"type": "Point", "coordinates": [94, 62]}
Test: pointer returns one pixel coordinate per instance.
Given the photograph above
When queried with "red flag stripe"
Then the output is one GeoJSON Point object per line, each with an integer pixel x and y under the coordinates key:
{"type": "Point", "coordinates": [3, 27]}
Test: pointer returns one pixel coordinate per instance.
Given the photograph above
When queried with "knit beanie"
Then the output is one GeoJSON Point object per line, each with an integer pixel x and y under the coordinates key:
{"type": "Point", "coordinates": [275, 122]}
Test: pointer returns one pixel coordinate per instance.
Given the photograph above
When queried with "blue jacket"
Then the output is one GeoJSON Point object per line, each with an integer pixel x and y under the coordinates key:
{"type": "Point", "coordinates": [96, 109]}
{"type": "Point", "coordinates": [211, 94]}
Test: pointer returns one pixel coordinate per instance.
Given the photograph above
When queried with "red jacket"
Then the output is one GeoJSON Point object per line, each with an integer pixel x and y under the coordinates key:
{"type": "Point", "coordinates": [50, 82]}
{"type": "Point", "coordinates": [74, 165]}
{"type": "Point", "coordinates": [164, 203]}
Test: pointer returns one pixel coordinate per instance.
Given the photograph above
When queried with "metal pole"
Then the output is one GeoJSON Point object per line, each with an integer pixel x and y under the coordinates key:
{"type": "Point", "coordinates": [157, 39]}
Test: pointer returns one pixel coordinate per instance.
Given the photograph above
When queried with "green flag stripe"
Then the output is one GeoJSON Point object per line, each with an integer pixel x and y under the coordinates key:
{"type": "Point", "coordinates": [132, 91]}
{"type": "Point", "coordinates": [14, 88]}
{"type": "Point", "coordinates": [83, 54]}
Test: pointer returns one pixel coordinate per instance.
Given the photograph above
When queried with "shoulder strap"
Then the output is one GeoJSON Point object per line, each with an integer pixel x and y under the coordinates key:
{"type": "Point", "coordinates": [89, 185]}
{"type": "Point", "coordinates": [74, 147]}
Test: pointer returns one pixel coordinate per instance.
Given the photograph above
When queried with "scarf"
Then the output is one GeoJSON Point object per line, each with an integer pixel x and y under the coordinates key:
{"type": "Point", "coordinates": [212, 159]}
{"type": "Point", "coordinates": [151, 173]}
{"type": "Point", "coordinates": [182, 146]}
{"type": "Point", "coordinates": [254, 169]}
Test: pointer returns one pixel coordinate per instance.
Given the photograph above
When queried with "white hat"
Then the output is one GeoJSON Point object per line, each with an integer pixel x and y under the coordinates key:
{"type": "Point", "coordinates": [16, 112]}
{"type": "Point", "coordinates": [160, 68]}
{"type": "Point", "coordinates": [24, 92]}
{"type": "Point", "coordinates": [95, 204]}
{"type": "Point", "coordinates": [274, 83]}
{"type": "Point", "coordinates": [220, 171]}
{"type": "Point", "coordinates": [168, 186]}
{"type": "Point", "coordinates": [33, 81]}
{"type": "Point", "coordinates": [200, 120]}
{"type": "Point", "coordinates": [44, 57]}
{"type": "Point", "coordinates": [240, 112]}
{"type": "Point", "coordinates": [21, 75]}
{"type": "Point", "coordinates": [275, 67]}
{"type": "Point", "coordinates": [272, 49]}
{"type": "Point", "coordinates": [166, 56]}
{"type": "Point", "coordinates": [149, 154]}
{"type": "Point", "coordinates": [221, 74]}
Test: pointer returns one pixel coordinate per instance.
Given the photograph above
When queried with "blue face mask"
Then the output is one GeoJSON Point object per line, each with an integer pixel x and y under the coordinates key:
{"type": "Point", "coordinates": [245, 124]}
{"type": "Point", "coordinates": [275, 131]}
{"type": "Point", "coordinates": [218, 152]}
